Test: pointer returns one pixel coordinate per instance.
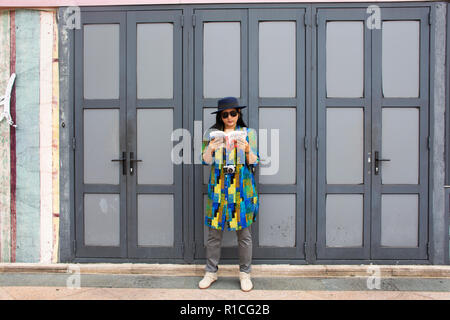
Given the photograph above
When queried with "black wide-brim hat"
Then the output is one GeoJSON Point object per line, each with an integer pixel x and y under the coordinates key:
{"type": "Point", "coordinates": [227, 103]}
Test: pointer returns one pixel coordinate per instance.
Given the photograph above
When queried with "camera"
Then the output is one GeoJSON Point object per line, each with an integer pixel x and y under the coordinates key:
{"type": "Point", "coordinates": [229, 169]}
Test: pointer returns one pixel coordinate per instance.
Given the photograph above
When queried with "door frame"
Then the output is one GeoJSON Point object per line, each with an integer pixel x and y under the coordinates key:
{"type": "Point", "coordinates": [133, 104]}
{"type": "Point", "coordinates": [422, 103]}
{"type": "Point", "coordinates": [80, 104]}
{"type": "Point", "coordinates": [323, 103]}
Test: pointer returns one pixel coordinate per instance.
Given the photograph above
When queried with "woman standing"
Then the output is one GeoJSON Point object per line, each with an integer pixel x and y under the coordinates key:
{"type": "Point", "coordinates": [232, 198]}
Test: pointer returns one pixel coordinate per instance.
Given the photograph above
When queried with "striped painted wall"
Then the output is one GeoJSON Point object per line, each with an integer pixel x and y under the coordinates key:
{"type": "Point", "coordinates": [29, 168]}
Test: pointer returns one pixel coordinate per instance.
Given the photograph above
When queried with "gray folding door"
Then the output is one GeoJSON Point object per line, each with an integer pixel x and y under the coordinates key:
{"type": "Point", "coordinates": [128, 101]}
{"type": "Point", "coordinates": [372, 134]}
{"type": "Point", "coordinates": [257, 55]}
{"type": "Point", "coordinates": [340, 102]}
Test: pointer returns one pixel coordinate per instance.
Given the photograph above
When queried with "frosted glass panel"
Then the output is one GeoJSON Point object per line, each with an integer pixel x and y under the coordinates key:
{"type": "Point", "coordinates": [277, 63]}
{"type": "Point", "coordinates": [345, 145]}
{"type": "Point", "coordinates": [344, 220]}
{"type": "Point", "coordinates": [400, 58]}
{"type": "Point", "coordinates": [399, 220]}
{"type": "Point", "coordinates": [155, 60]}
{"type": "Point", "coordinates": [154, 146]}
{"type": "Point", "coordinates": [400, 144]}
{"type": "Point", "coordinates": [345, 59]}
{"type": "Point", "coordinates": [101, 220]}
{"type": "Point", "coordinates": [101, 145]}
{"type": "Point", "coordinates": [283, 120]}
{"type": "Point", "coordinates": [221, 59]}
{"type": "Point", "coordinates": [101, 61]}
{"type": "Point", "coordinates": [277, 220]}
{"type": "Point", "coordinates": [155, 220]}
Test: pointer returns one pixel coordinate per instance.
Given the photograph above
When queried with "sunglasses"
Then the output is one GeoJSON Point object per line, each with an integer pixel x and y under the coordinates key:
{"type": "Point", "coordinates": [231, 113]}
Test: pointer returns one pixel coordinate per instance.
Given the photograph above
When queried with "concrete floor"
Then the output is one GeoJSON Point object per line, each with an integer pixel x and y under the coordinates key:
{"type": "Point", "coordinates": [128, 286]}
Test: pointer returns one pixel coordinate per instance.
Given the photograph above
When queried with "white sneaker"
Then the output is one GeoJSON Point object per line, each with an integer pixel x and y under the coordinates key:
{"type": "Point", "coordinates": [207, 280]}
{"type": "Point", "coordinates": [246, 282]}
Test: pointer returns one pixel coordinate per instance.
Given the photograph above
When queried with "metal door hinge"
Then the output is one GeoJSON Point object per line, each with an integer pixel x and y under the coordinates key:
{"type": "Point", "coordinates": [182, 249]}
{"type": "Point", "coordinates": [304, 248]}
{"type": "Point", "coordinates": [315, 249]}
{"type": "Point", "coordinates": [306, 142]}
{"type": "Point", "coordinates": [316, 19]}
{"type": "Point", "coordinates": [193, 20]}
{"type": "Point", "coordinates": [317, 142]}
{"type": "Point", "coordinates": [74, 246]}
{"type": "Point", "coordinates": [307, 19]}
{"type": "Point", "coordinates": [430, 17]}
{"type": "Point", "coordinates": [429, 142]}
{"type": "Point", "coordinates": [182, 21]}
{"type": "Point", "coordinates": [73, 143]}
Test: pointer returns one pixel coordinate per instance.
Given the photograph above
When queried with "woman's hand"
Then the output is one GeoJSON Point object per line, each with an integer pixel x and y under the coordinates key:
{"type": "Point", "coordinates": [242, 144]}
{"type": "Point", "coordinates": [216, 143]}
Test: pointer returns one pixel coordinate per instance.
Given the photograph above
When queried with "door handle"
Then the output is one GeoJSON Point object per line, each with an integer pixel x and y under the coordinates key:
{"type": "Point", "coordinates": [124, 162]}
{"type": "Point", "coordinates": [377, 162]}
{"type": "Point", "coordinates": [132, 161]}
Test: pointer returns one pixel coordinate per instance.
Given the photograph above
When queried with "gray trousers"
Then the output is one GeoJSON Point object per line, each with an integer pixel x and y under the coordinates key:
{"type": "Point", "coordinates": [214, 243]}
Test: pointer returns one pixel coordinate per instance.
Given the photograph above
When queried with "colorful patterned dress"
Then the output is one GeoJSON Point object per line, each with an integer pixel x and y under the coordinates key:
{"type": "Point", "coordinates": [232, 198]}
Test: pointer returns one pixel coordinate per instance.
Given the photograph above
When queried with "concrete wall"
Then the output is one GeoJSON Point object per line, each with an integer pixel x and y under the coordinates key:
{"type": "Point", "coordinates": [439, 232]}
{"type": "Point", "coordinates": [29, 171]}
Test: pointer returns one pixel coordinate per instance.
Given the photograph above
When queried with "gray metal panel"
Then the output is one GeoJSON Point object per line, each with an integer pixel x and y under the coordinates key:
{"type": "Point", "coordinates": [188, 123]}
{"type": "Point", "coordinates": [447, 102]}
{"type": "Point", "coordinates": [447, 227]}
{"type": "Point", "coordinates": [379, 102]}
{"type": "Point", "coordinates": [364, 103]}
{"type": "Point", "coordinates": [437, 230]}
{"type": "Point", "coordinates": [310, 154]}
{"type": "Point", "coordinates": [66, 153]}
{"type": "Point", "coordinates": [299, 102]}
{"type": "Point", "coordinates": [173, 250]}
{"type": "Point", "coordinates": [447, 139]}
{"type": "Point", "coordinates": [82, 189]}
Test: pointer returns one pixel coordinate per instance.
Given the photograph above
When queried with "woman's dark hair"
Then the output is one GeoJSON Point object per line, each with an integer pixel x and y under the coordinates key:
{"type": "Point", "coordinates": [219, 123]}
